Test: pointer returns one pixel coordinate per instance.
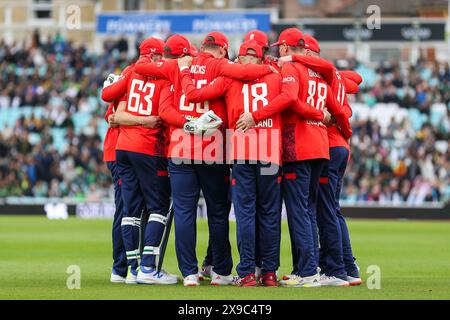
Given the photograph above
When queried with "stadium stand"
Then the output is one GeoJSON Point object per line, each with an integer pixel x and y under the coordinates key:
{"type": "Point", "coordinates": [51, 126]}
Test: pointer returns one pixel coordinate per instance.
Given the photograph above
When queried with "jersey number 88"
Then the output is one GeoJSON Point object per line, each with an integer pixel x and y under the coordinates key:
{"type": "Point", "coordinates": [317, 94]}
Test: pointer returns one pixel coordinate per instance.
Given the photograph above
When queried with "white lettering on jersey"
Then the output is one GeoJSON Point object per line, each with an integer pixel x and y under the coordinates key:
{"type": "Point", "coordinates": [288, 79]}
{"type": "Point", "coordinates": [313, 74]}
{"type": "Point", "coordinates": [267, 123]}
{"type": "Point", "coordinates": [198, 69]}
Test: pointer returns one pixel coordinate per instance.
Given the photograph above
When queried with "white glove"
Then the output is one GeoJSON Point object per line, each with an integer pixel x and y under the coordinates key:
{"type": "Point", "coordinates": [204, 125]}
{"type": "Point", "coordinates": [110, 80]}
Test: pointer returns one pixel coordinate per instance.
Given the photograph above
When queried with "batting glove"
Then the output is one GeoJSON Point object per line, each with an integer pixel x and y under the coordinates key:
{"type": "Point", "coordinates": [206, 124]}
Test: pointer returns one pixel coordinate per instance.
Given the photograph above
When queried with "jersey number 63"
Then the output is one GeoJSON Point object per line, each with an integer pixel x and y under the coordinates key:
{"type": "Point", "coordinates": [140, 89]}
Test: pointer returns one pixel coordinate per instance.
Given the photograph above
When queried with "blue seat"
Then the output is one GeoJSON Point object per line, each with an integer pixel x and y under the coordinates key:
{"type": "Point", "coordinates": [59, 141]}
{"type": "Point", "coordinates": [80, 120]}
{"type": "Point", "coordinates": [417, 119]}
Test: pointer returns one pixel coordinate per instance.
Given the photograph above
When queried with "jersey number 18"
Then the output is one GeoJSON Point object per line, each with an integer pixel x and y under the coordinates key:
{"type": "Point", "coordinates": [259, 94]}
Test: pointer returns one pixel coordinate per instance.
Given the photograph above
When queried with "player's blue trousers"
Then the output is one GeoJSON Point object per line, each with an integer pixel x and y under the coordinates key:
{"type": "Point", "coordinates": [119, 256]}
{"type": "Point", "coordinates": [257, 200]}
{"type": "Point", "coordinates": [300, 191]}
{"type": "Point", "coordinates": [336, 257]}
{"type": "Point", "coordinates": [144, 180]}
{"type": "Point", "coordinates": [213, 180]}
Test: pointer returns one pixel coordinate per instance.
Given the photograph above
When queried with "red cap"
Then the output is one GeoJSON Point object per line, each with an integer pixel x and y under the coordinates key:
{"type": "Point", "coordinates": [217, 38]}
{"type": "Point", "coordinates": [291, 37]}
{"type": "Point", "coordinates": [194, 51]}
{"type": "Point", "coordinates": [253, 45]}
{"type": "Point", "coordinates": [311, 43]}
{"type": "Point", "coordinates": [151, 45]}
{"type": "Point", "coordinates": [177, 45]}
{"type": "Point", "coordinates": [260, 37]}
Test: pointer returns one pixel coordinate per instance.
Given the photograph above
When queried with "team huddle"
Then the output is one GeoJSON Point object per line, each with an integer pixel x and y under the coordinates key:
{"type": "Point", "coordinates": [250, 133]}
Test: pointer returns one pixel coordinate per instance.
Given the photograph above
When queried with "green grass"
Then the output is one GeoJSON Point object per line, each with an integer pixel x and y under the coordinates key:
{"type": "Point", "coordinates": [414, 258]}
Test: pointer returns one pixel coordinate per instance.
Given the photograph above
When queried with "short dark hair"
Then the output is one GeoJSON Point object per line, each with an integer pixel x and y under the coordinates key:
{"type": "Point", "coordinates": [171, 56]}
{"type": "Point", "coordinates": [211, 46]}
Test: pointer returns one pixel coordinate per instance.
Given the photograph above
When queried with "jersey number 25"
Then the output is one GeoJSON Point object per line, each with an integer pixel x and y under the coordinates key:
{"type": "Point", "coordinates": [200, 107]}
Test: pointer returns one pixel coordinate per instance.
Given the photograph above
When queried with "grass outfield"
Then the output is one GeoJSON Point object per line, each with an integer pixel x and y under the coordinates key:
{"type": "Point", "coordinates": [414, 258]}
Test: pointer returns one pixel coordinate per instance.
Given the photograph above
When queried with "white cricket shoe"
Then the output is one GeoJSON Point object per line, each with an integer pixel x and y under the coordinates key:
{"type": "Point", "coordinates": [152, 276]}
{"type": "Point", "coordinates": [191, 280]}
{"type": "Point", "coordinates": [115, 278]}
{"type": "Point", "coordinates": [218, 280]}
{"type": "Point", "coordinates": [206, 272]}
{"type": "Point", "coordinates": [331, 281]}
{"type": "Point", "coordinates": [354, 281]}
{"type": "Point", "coordinates": [303, 282]}
{"type": "Point", "coordinates": [285, 278]}
{"type": "Point", "coordinates": [131, 276]}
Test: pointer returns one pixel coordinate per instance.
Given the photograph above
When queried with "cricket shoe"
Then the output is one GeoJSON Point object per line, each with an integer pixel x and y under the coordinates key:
{"type": "Point", "coordinates": [152, 276]}
{"type": "Point", "coordinates": [302, 282]}
{"type": "Point", "coordinates": [131, 276]}
{"type": "Point", "coordinates": [354, 281]}
{"type": "Point", "coordinates": [288, 276]}
{"type": "Point", "coordinates": [331, 281]}
{"type": "Point", "coordinates": [205, 272]}
{"type": "Point", "coordinates": [191, 280]}
{"type": "Point", "coordinates": [115, 278]}
{"type": "Point", "coordinates": [248, 281]}
{"type": "Point", "coordinates": [269, 279]}
{"type": "Point", "coordinates": [218, 280]}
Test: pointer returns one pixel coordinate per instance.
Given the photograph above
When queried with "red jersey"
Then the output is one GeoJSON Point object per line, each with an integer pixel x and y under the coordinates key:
{"type": "Point", "coordinates": [110, 141]}
{"type": "Point", "coordinates": [304, 139]}
{"type": "Point", "coordinates": [339, 86]}
{"type": "Point", "coordinates": [143, 99]}
{"type": "Point", "coordinates": [109, 94]}
{"type": "Point", "coordinates": [264, 142]}
{"type": "Point", "coordinates": [204, 69]}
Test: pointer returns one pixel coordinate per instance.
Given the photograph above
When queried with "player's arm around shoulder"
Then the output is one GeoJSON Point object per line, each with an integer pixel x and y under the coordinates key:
{"type": "Point", "coordinates": [117, 89]}
{"type": "Point", "coordinates": [165, 69]}
{"type": "Point", "coordinates": [318, 64]}
{"type": "Point", "coordinates": [213, 90]}
{"type": "Point", "coordinates": [241, 72]}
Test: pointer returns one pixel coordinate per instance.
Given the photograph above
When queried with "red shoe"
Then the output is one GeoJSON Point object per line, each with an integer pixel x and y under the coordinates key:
{"type": "Point", "coordinates": [269, 279]}
{"type": "Point", "coordinates": [248, 281]}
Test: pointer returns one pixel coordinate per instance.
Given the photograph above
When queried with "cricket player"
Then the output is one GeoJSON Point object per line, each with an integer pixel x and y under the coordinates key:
{"type": "Point", "coordinates": [142, 164]}
{"type": "Point", "coordinates": [262, 40]}
{"type": "Point", "coordinates": [336, 258]}
{"type": "Point", "coordinates": [119, 270]}
{"type": "Point", "coordinates": [305, 152]}
{"type": "Point", "coordinates": [191, 169]}
{"type": "Point", "coordinates": [256, 191]}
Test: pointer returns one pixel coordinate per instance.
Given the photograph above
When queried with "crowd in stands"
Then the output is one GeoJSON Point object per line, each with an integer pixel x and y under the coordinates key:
{"type": "Point", "coordinates": [396, 162]}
